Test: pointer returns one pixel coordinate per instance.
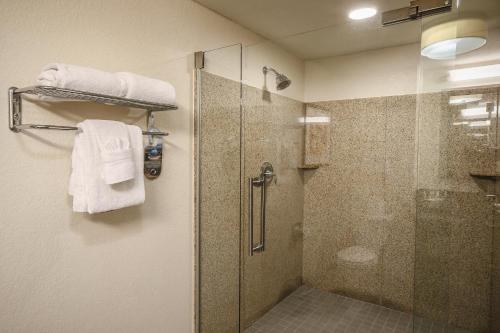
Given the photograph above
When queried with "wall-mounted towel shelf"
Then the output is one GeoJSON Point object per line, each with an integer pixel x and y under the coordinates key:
{"type": "Point", "coordinates": [15, 106]}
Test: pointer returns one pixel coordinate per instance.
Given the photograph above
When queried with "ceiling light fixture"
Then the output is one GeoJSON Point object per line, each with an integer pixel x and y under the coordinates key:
{"type": "Point", "coordinates": [450, 39]}
{"type": "Point", "coordinates": [362, 13]}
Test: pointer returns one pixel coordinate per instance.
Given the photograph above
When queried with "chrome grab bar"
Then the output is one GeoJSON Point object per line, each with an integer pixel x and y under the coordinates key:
{"type": "Point", "coordinates": [267, 174]}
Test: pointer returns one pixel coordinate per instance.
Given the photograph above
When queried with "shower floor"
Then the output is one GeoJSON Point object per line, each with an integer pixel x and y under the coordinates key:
{"type": "Point", "coordinates": [309, 310]}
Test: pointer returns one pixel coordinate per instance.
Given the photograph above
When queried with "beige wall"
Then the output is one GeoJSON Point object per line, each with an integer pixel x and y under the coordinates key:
{"type": "Point", "coordinates": [245, 64]}
{"type": "Point", "coordinates": [385, 72]}
{"type": "Point", "coordinates": [392, 71]}
{"type": "Point", "coordinates": [267, 53]}
{"type": "Point", "coordinates": [124, 271]}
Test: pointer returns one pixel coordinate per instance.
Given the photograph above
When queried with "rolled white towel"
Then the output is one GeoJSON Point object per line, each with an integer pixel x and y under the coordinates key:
{"type": "Point", "coordinates": [147, 89]}
{"type": "Point", "coordinates": [82, 79]}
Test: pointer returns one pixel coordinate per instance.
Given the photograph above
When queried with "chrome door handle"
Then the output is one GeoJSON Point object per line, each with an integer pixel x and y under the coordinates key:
{"type": "Point", "coordinates": [267, 174]}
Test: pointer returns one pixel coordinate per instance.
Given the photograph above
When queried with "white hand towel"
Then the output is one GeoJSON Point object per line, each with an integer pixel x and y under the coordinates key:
{"type": "Point", "coordinates": [82, 79]}
{"type": "Point", "coordinates": [100, 150]}
{"type": "Point", "coordinates": [114, 146]}
{"type": "Point", "coordinates": [147, 89]}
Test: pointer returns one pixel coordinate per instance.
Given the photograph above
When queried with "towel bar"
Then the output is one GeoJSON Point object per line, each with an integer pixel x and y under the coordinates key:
{"type": "Point", "coordinates": [15, 106]}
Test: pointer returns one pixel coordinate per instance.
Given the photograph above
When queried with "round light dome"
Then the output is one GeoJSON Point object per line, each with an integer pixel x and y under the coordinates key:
{"type": "Point", "coordinates": [447, 40]}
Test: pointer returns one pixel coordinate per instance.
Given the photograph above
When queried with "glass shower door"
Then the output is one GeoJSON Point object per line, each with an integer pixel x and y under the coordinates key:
{"type": "Point", "coordinates": [272, 144]}
{"type": "Point", "coordinates": [455, 281]}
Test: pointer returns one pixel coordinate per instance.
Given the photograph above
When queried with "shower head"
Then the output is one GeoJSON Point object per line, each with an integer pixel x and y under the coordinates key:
{"type": "Point", "coordinates": [282, 81]}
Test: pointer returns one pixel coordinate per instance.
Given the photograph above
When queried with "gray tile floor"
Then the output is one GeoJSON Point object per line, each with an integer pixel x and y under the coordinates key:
{"type": "Point", "coordinates": [309, 310]}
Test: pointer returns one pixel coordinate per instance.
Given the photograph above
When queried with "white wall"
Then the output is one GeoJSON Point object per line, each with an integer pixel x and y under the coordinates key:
{"type": "Point", "coordinates": [246, 63]}
{"type": "Point", "coordinates": [384, 72]}
{"type": "Point", "coordinates": [124, 271]}
{"type": "Point", "coordinates": [392, 71]}
{"type": "Point", "coordinates": [267, 53]}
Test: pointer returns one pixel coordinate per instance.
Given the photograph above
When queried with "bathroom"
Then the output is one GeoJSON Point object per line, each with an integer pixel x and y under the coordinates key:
{"type": "Point", "coordinates": [327, 166]}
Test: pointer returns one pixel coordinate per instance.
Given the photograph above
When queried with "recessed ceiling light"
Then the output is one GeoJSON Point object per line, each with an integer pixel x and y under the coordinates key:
{"type": "Point", "coordinates": [362, 13]}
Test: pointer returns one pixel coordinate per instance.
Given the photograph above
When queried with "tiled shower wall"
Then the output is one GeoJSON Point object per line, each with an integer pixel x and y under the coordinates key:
{"type": "Point", "coordinates": [363, 197]}
{"type": "Point", "coordinates": [219, 204]}
{"type": "Point", "coordinates": [364, 200]}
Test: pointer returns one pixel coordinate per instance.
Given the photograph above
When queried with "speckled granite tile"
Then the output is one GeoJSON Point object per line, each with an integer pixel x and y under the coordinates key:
{"type": "Point", "coordinates": [398, 250]}
{"type": "Point", "coordinates": [495, 273]}
{"type": "Point", "coordinates": [317, 137]}
{"type": "Point", "coordinates": [219, 206]}
{"type": "Point", "coordinates": [346, 202]}
{"type": "Point", "coordinates": [401, 115]}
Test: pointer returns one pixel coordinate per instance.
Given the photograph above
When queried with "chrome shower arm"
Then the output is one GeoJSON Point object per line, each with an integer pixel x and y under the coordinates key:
{"type": "Point", "coordinates": [266, 69]}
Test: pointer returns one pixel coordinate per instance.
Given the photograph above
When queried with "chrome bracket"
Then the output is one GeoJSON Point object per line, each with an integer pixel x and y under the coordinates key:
{"type": "Point", "coordinates": [153, 151]}
{"type": "Point", "coordinates": [15, 110]}
{"type": "Point", "coordinates": [199, 60]}
{"type": "Point", "coordinates": [416, 10]}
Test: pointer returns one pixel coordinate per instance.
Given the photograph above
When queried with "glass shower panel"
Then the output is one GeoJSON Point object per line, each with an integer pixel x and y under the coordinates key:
{"type": "Point", "coordinates": [273, 141]}
{"type": "Point", "coordinates": [218, 194]}
{"type": "Point", "coordinates": [455, 283]}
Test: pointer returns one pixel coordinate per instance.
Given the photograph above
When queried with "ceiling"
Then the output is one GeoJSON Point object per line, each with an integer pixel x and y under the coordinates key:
{"type": "Point", "coordinates": [313, 29]}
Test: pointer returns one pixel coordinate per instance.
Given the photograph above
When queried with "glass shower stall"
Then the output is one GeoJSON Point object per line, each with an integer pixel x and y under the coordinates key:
{"type": "Point", "coordinates": [372, 214]}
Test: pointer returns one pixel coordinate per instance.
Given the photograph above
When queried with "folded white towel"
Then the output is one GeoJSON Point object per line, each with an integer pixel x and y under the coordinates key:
{"type": "Point", "coordinates": [82, 79]}
{"type": "Point", "coordinates": [147, 89]}
{"type": "Point", "coordinates": [108, 167]}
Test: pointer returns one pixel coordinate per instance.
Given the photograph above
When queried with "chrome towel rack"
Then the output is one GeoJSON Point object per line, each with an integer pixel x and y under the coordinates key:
{"type": "Point", "coordinates": [16, 111]}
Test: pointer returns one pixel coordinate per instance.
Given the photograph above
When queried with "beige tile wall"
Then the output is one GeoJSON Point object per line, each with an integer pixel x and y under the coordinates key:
{"type": "Point", "coordinates": [220, 204]}
{"type": "Point", "coordinates": [367, 198]}
{"type": "Point", "coordinates": [317, 150]}
{"type": "Point", "coordinates": [364, 198]}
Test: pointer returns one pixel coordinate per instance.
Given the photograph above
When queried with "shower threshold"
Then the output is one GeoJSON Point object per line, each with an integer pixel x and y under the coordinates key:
{"type": "Point", "coordinates": [309, 310]}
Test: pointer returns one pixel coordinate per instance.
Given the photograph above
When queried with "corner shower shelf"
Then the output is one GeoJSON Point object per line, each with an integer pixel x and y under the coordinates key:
{"type": "Point", "coordinates": [487, 176]}
{"type": "Point", "coordinates": [15, 105]}
{"type": "Point", "coordinates": [309, 166]}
